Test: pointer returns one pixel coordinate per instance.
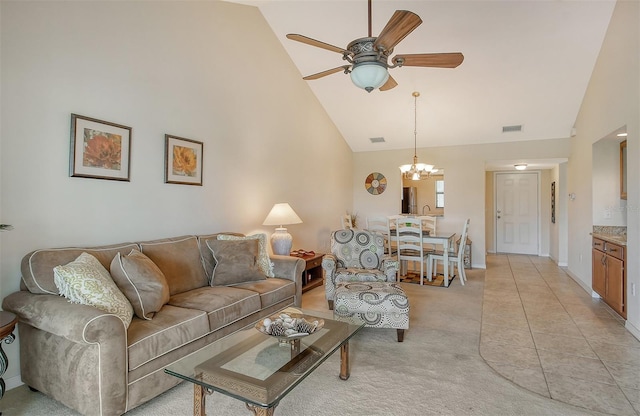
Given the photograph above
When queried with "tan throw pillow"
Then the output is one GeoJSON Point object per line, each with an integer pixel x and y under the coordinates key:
{"type": "Point", "coordinates": [235, 262]}
{"type": "Point", "coordinates": [86, 281]}
{"type": "Point", "coordinates": [264, 262]}
{"type": "Point", "coordinates": [141, 281]}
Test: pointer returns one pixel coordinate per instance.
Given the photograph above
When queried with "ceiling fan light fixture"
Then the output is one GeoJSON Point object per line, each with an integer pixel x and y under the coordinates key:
{"type": "Point", "coordinates": [369, 75]}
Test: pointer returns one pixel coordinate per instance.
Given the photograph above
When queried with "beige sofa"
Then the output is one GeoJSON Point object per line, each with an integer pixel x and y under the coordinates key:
{"type": "Point", "coordinates": [88, 360]}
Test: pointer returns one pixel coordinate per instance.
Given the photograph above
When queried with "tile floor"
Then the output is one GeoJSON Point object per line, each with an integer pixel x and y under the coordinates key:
{"type": "Point", "coordinates": [542, 331]}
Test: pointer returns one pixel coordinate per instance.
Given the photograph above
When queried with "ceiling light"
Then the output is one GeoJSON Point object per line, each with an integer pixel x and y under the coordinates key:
{"type": "Point", "coordinates": [416, 171]}
{"type": "Point", "coordinates": [622, 135]}
{"type": "Point", "coordinates": [520, 166]}
{"type": "Point", "coordinates": [369, 75]}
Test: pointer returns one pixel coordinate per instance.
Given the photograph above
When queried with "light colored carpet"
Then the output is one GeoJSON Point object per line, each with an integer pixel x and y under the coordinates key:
{"type": "Point", "coordinates": [437, 370]}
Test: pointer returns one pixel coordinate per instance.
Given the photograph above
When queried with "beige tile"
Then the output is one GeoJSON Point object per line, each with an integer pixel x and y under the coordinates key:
{"type": "Point", "coordinates": [633, 396]}
{"type": "Point", "coordinates": [617, 353]}
{"type": "Point", "coordinates": [508, 336]}
{"type": "Point", "coordinates": [558, 326]}
{"type": "Point", "coordinates": [515, 356]}
{"type": "Point", "coordinates": [567, 345]}
{"type": "Point", "coordinates": [625, 375]}
{"type": "Point", "coordinates": [589, 394]}
{"type": "Point", "coordinates": [530, 378]}
{"type": "Point", "coordinates": [577, 366]}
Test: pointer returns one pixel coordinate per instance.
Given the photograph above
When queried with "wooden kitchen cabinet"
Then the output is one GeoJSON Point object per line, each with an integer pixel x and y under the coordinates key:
{"type": "Point", "coordinates": [609, 274]}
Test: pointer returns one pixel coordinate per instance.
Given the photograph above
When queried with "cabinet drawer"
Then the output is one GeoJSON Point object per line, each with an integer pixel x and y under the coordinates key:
{"type": "Point", "coordinates": [313, 263]}
{"type": "Point", "coordinates": [614, 250]}
{"type": "Point", "coordinates": [598, 244]}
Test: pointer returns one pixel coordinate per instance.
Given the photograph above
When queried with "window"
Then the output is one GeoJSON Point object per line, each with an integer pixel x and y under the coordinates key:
{"type": "Point", "coordinates": [440, 194]}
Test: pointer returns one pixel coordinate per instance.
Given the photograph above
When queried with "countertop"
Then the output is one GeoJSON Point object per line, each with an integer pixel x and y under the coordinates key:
{"type": "Point", "coordinates": [620, 239]}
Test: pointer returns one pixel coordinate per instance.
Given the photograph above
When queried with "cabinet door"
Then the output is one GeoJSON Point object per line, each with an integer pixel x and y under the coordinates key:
{"type": "Point", "coordinates": [599, 270]}
{"type": "Point", "coordinates": [615, 284]}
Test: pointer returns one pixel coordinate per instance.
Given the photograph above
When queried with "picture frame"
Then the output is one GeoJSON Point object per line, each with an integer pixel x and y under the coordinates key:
{"type": "Point", "coordinates": [183, 161]}
{"type": "Point", "coordinates": [99, 149]}
{"type": "Point", "coordinates": [553, 202]}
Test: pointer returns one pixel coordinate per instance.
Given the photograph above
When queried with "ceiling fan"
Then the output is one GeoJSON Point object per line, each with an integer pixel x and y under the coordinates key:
{"type": "Point", "coordinates": [368, 57]}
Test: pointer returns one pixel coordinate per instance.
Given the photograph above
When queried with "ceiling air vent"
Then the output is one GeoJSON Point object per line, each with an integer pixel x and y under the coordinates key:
{"type": "Point", "coordinates": [509, 129]}
{"type": "Point", "coordinates": [377, 139]}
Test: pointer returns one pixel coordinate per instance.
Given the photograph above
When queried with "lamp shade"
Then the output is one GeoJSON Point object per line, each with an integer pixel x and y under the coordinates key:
{"type": "Point", "coordinates": [369, 75]}
{"type": "Point", "coordinates": [282, 214]}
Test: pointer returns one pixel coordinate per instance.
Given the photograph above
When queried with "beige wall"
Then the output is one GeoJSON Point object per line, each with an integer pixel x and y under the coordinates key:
{"type": "Point", "coordinates": [464, 168]}
{"type": "Point", "coordinates": [191, 69]}
{"type": "Point", "coordinates": [610, 102]}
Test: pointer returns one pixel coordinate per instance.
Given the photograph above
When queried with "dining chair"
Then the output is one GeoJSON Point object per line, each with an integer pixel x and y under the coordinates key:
{"type": "Point", "coordinates": [409, 244]}
{"type": "Point", "coordinates": [380, 224]}
{"type": "Point", "coordinates": [429, 225]}
{"type": "Point", "coordinates": [456, 257]}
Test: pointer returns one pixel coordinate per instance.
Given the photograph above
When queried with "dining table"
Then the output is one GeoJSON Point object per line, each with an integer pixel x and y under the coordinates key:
{"type": "Point", "coordinates": [444, 239]}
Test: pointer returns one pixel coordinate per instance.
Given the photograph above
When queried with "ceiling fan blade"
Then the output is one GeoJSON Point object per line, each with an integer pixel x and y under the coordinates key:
{"type": "Point", "coordinates": [317, 43]}
{"type": "Point", "coordinates": [391, 83]}
{"type": "Point", "coordinates": [398, 27]}
{"type": "Point", "coordinates": [437, 60]}
{"type": "Point", "coordinates": [327, 72]}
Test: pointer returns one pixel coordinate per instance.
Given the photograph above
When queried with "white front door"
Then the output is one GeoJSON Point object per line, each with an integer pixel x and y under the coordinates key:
{"type": "Point", "coordinates": [517, 213]}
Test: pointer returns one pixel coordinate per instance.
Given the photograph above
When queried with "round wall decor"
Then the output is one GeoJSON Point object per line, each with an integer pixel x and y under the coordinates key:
{"type": "Point", "coordinates": [375, 183]}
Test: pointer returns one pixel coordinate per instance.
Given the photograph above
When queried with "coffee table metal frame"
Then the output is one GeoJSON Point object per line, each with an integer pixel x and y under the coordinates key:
{"type": "Point", "coordinates": [259, 369]}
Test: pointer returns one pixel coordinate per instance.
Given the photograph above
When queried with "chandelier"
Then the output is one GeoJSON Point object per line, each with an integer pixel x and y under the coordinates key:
{"type": "Point", "coordinates": [416, 171]}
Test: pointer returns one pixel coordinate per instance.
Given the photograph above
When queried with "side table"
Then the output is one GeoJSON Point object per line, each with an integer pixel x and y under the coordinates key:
{"type": "Point", "coordinates": [8, 323]}
{"type": "Point", "coordinates": [312, 274]}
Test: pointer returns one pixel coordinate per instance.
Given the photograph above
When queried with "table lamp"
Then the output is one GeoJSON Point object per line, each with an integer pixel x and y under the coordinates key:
{"type": "Point", "coordinates": [281, 214]}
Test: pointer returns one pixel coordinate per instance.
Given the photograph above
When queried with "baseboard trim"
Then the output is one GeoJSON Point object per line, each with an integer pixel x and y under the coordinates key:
{"type": "Point", "coordinates": [580, 283]}
{"type": "Point", "coordinates": [634, 331]}
{"type": "Point", "coordinates": [13, 382]}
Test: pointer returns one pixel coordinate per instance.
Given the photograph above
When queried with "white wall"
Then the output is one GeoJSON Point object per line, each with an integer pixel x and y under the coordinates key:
{"type": "Point", "coordinates": [610, 102]}
{"type": "Point", "coordinates": [464, 168]}
{"type": "Point", "coordinates": [208, 71]}
{"type": "Point", "coordinates": [608, 208]}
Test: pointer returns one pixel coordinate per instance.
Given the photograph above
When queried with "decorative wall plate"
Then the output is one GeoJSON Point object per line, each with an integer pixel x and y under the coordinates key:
{"type": "Point", "coordinates": [375, 183]}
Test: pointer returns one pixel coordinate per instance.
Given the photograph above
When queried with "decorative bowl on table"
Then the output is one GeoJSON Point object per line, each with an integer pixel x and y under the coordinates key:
{"type": "Point", "coordinates": [289, 325]}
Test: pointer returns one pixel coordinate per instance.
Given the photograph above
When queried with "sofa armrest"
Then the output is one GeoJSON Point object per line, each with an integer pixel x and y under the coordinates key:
{"type": "Point", "coordinates": [290, 268]}
{"type": "Point", "coordinates": [56, 315]}
{"type": "Point", "coordinates": [62, 343]}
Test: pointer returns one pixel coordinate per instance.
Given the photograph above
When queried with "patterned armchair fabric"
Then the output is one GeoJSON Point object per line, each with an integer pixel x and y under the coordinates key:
{"type": "Point", "coordinates": [356, 256]}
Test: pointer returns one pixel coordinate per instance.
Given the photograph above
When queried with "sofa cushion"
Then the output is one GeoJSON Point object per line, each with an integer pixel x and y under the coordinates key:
{"type": "Point", "coordinates": [179, 259]}
{"type": "Point", "coordinates": [236, 262]}
{"type": "Point", "coordinates": [272, 290]}
{"type": "Point", "coordinates": [208, 262]}
{"type": "Point", "coordinates": [264, 262]}
{"type": "Point", "coordinates": [87, 282]}
{"type": "Point", "coordinates": [141, 281]}
{"type": "Point", "coordinates": [223, 305]}
{"type": "Point", "coordinates": [37, 266]}
{"type": "Point", "coordinates": [170, 329]}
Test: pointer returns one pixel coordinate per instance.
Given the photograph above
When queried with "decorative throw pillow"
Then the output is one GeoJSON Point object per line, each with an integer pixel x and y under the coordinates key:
{"type": "Point", "coordinates": [263, 255]}
{"type": "Point", "coordinates": [235, 262]}
{"type": "Point", "coordinates": [86, 281]}
{"type": "Point", "coordinates": [141, 281]}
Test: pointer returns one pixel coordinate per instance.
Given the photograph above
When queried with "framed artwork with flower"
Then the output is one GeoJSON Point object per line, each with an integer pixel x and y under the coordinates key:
{"type": "Point", "coordinates": [183, 161]}
{"type": "Point", "coordinates": [99, 149]}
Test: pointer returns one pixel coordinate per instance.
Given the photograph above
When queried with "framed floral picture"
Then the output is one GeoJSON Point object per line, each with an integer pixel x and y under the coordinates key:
{"type": "Point", "coordinates": [183, 161]}
{"type": "Point", "coordinates": [99, 149]}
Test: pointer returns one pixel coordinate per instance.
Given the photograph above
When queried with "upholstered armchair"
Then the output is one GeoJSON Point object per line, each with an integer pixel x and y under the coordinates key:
{"type": "Point", "coordinates": [356, 256]}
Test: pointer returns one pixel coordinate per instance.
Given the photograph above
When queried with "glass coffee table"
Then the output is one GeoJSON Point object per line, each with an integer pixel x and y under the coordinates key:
{"type": "Point", "coordinates": [259, 369]}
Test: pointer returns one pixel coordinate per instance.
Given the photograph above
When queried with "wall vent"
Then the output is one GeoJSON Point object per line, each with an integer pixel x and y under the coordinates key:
{"type": "Point", "coordinates": [509, 129]}
{"type": "Point", "coordinates": [377, 139]}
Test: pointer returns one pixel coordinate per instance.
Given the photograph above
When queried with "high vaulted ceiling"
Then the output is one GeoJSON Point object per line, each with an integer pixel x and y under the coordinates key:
{"type": "Point", "coordinates": [525, 63]}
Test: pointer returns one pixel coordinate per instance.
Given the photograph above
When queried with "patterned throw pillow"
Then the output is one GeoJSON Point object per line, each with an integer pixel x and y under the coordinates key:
{"type": "Point", "coordinates": [264, 262]}
{"type": "Point", "coordinates": [141, 281]}
{"type": "Point", "coordinates": [86, 281]}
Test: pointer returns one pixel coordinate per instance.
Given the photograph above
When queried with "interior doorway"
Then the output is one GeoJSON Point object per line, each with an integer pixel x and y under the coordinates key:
{"type": "Point", "coordinates": [517, 212]}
